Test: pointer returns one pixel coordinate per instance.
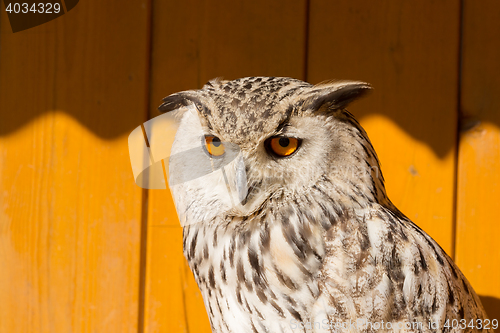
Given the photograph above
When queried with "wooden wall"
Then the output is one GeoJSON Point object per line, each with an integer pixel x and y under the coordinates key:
{"type": "Point", "coordinates": [83, 249]}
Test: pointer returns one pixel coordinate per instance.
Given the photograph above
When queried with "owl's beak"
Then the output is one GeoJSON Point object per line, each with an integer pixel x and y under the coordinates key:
{"type": "Point", "coordinates": [241, 180]}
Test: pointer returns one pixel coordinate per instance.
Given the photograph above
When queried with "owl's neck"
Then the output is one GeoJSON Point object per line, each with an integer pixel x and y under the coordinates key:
{"type": "Point", "coordinates": [263, 269]}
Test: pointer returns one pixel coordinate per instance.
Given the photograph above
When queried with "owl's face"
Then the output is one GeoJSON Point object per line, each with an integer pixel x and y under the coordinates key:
{"type": "Point", "coordinates": [244, 143]}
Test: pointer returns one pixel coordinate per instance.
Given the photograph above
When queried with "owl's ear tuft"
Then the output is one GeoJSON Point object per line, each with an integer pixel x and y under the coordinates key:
{"type": "Point", "coordinates": [178, 100]}
{"type": "Point", "coordinates": [336, 95]}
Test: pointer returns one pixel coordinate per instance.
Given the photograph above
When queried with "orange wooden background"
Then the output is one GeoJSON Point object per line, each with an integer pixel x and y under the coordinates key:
{"type": "Point", "coordinates": [83, 249]}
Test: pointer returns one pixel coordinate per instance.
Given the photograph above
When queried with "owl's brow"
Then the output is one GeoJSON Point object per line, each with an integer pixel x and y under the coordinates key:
{"type": "Point", "coordinates": [282, 127]}
{"type": "Point", "coordinates": [209, 125]}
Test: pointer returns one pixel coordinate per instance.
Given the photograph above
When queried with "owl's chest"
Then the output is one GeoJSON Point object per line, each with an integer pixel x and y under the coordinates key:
{"type": "Point", "coordinates": [263, 278]}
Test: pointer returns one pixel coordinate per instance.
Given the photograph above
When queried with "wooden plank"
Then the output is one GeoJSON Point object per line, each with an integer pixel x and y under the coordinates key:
{"type": "Point", "coordinates": [478, 229]}
{"type": "Point", "coordinates": [70, 92]}
{"type": "Point", "coordinates": [408, 51]}
{"type": "Point", "coordinates": [193, 42]}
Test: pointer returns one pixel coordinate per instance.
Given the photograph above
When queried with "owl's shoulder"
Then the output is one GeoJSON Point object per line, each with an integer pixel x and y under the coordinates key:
{"type": "Point", "coordinates": [379, 264]}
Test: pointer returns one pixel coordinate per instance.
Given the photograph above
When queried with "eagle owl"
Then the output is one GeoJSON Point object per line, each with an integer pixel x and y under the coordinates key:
{"type": "Point", "coordinates": [289, 228]}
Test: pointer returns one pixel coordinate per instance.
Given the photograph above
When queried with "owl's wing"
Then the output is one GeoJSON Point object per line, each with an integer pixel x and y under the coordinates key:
{"type": "Point", "coordinates": [381, 266]}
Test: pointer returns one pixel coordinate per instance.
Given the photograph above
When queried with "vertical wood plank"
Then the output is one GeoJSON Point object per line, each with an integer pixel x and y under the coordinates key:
{"type": "Point", "coordinates": [70, 92]}
{"type": "Point", "coordinates": [478, 229]}
{"type": "Point", "coordinates": [193, 42]}
{"type": "Point", "coordinates": [408, 51]}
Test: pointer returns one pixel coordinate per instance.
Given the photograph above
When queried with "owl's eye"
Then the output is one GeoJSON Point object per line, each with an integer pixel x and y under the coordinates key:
{"type": "Point", "coordinates": [282, 146]}
{"type": "Point", "coordinates": [214, 146]}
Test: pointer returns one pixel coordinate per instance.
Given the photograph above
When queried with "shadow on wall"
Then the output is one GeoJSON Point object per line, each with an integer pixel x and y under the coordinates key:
{"type": "Point", "coordinates": [108, 122]}
{"type": "Point", "coordinates": [99, 76]}
{"type": "Point", "coordinates": [492, 306]}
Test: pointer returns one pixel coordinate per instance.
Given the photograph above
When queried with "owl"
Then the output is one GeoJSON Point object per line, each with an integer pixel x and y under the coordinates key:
{"type": "Point", "coordinates": [286, 223]}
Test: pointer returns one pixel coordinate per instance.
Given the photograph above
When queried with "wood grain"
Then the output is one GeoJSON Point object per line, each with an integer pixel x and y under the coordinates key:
{"type": "Point", "coordinates": [70, 212]}
{"type": "Point", "coordinates": [408, 51]}
{"type": "Point", "coordinates": [478, 229]}
{"type": "Point", "coordinates": [211, 39]}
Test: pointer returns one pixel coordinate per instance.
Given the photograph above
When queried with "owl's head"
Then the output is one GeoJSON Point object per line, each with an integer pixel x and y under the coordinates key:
{"type": "Point", "coordinates": [261, 139]}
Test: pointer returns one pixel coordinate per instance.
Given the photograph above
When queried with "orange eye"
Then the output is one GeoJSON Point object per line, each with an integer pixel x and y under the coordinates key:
{"type": "Point", "coordinates": [282, 146]}
{"type": "Point", "coordinates": [214, 146]}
